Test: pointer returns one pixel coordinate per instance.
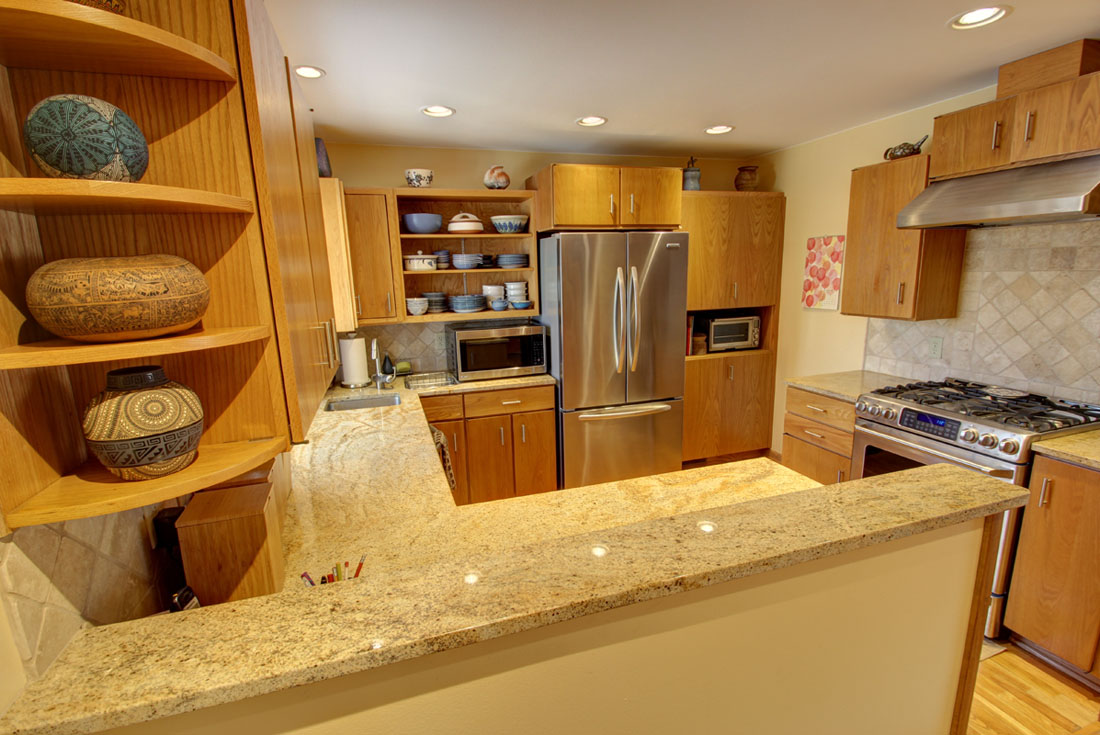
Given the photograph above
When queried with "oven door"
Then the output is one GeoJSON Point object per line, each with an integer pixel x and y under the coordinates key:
{"type": "Point", "coordinates": [877, 450]}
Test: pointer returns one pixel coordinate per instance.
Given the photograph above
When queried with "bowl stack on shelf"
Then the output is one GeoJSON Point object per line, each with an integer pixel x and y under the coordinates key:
{"type": "Point", "coordinates": [466, 261]}
{"type": "Point", "coordinates": [444, 259]}
{"type": "Point", "coordinates": [517, 294]}
{"type": "Point", "coordinates": [513, 260]}
{"type": "Point", "coordinates": [437, 301]}
{"type": "Point", "coordinates": [416, 306]}
{"type": "Point", "coordinates": [467, 303]}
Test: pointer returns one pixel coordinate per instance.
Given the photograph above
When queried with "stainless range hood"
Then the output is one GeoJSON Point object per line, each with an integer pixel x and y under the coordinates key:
{"type": "Point", "coordinates": [1063, 191]}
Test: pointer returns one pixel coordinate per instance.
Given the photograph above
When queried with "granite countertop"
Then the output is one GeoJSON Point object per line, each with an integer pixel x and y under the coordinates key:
{"type": "Point", "coordinates": [369, 481]}
{"type": "Point", "coordinates": [1082, 449]}
{"type": "Point", "coordinates": [846, 386]}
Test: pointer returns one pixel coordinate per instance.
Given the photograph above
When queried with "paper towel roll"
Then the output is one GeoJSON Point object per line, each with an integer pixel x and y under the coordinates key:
{"type": "Point", "coordinates": [353, 353]}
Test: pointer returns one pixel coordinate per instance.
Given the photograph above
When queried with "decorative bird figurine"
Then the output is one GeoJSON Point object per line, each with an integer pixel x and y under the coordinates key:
{"type": "Point", "coordinates": [901, 150]}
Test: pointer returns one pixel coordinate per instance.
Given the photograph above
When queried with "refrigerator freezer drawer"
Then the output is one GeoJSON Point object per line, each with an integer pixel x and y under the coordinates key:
{"type": "Point", "coordinates": [620, 442]}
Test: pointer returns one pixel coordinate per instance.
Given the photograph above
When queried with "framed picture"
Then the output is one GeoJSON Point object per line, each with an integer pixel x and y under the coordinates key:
{"type": "Point", "coordinates": [824, 272]}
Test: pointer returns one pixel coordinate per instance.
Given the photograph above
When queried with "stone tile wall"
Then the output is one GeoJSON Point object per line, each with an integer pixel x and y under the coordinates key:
{"type": "Point", "coordinates": [420, 344]}
{"type": "Point", "coordinates": [1029, 316]}
{"type": "Point", "coordinates": [58, 578]}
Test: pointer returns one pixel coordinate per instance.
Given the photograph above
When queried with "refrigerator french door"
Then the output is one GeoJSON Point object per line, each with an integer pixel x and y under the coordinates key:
{"type": "Point", "coordinates": [614, 303]}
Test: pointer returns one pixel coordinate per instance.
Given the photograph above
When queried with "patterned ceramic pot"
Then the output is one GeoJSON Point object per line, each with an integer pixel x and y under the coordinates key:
{"type": "Point", "coordinates": [746, 179]}
{"type": "Point", "coordinates": [117, 299]}
{"type": "Point", "coordinates": [419, 177]}
{"type": "Point", "coordinates": [144, 425]}
{"type": "Point", "coordinates": [77, 137]}
{"type": "Point", "coordinates": [496, 178]}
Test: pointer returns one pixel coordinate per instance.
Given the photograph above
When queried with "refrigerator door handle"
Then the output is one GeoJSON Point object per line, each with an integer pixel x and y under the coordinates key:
{"type": "Point", "coordinates": [618, 329]}
{"type": "Point", "coordinates": [637, 330]}
{"type": "Point", "coordinates": [622, 412]}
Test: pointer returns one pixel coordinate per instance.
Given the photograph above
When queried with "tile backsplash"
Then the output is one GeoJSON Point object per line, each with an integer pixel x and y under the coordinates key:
{"type": "Point", "coordinates": [58, 578]}
{"type": "Point", "coordinates": [1029, 316]}
{"type": "Point", "coordinates": [420, 344]}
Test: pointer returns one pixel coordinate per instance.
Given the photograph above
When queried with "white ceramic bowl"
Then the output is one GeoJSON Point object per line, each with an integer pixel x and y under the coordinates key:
{"type": "Point", "coordinates": [416, 307]}
{"type": "Point", "coordinates": [492, 292]}
{"type": "Point", "coordinates": [509, 222]}
{"type": "Point", "coordinates": [418, 177]}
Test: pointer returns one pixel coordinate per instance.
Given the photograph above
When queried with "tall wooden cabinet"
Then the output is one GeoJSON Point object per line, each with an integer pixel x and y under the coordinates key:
{"type": "Point", "coordinates": [893, 273]}
{"type": "Point", "coordinates": [174, 69]}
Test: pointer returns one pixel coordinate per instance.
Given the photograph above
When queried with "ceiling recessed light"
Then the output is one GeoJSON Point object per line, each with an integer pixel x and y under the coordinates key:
{"type": "Point", "coordinates": [309, 72]}
{"type": "Point", "coordinates": [718, 129]}
{"type": "Point", "coordinates": [707, 526]}
{"type": "Point", "coordinates": [591, 121]}
{"type": "Point", "coordinates": [599, 551]}
{"type": "Point", "coordinates": [979, 17]}
{"type": "Point", "coordinates": [438, 111]}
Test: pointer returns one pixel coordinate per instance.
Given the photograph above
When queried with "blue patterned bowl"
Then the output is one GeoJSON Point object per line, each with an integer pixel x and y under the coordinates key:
{"type": "Point", "coordinates": [508, 223]}
{"type": "Point", "coordinates": [77, 137]}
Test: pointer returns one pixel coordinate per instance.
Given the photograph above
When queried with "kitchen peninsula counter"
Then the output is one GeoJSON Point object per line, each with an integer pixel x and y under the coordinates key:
{"type": "Point", "coordinates": [441, 577]}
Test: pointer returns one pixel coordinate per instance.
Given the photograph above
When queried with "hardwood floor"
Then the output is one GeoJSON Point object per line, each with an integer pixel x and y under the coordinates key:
{"type": "Point", "coordinates": [1018, 695]}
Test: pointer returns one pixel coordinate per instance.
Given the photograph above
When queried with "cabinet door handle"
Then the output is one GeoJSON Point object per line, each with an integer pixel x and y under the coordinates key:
{"type": "Point", "coordinates": [454, 441]}
{"type": "Point", "coordinates": [731, 372]}
{"type": "Point", "coordinates": [996, 135]}
{"type": "Point", "coordinates": [735, 291]}
{"type": "Point", "coordinates": [328, 358]}
{"type": "Point", "coordinates": [523, 433]}
{"type": "Point", "coordinates": [901, 292]}
{"type": "Point", "coordinates": [611, 207]}
{"type": "Point", "coordinates": [358, 306]}
{"type": "Point", "coordinates": [334, 343]}
{"type": "Point", "coordinates": [632, 204]}
{"type": "Point", "coordinates": [1044, 492]}
{"type": "Point", "coordinates": [814, 434]}
{"type": "Point", "coordinates": [502, 436]}
{"type": "Point", "coordinates": [1028, 124]}
{"type": "Point", "coordinates": [815, 408]}
{"type": "Point", "coordinates": [389, 303]}
{"type": "Point", "coordinates": [840, 475]}
{"type": "Point", "coordinates": [509, 403]}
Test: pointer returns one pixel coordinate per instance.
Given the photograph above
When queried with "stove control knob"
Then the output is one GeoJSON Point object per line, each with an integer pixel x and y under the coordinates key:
{"type": "Point", "coordinates": [889, 414]}
{"type": "Point", "coordinates": [1010, 446]}
{"type": "Point", "coordinates": [969, 435]}
{"type": "Point", "coordinates": [988, 440]}
{"type": "Point", "coordinates": [861, 406]}
{"type": "Point", "coordinates": [875, 410]}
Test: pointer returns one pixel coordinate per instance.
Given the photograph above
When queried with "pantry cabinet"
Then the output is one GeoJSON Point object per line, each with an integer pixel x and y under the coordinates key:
{"type": "Point", "coordinates": [581, 196]}
{"type": "Point", "coordinates": [1054, 600]}
{"type": "Point", "coordinates": [735, 249]}
{"type": "Point", "coordinates": [893, 273]}
{"type": "Point", "coordinates": [727, 403]}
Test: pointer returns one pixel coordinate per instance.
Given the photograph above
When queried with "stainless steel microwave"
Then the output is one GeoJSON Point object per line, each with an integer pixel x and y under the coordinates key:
{"type": "Point", "coordinates": [733, 333]}
{"type": "Point", "coordinates": [481, 352]}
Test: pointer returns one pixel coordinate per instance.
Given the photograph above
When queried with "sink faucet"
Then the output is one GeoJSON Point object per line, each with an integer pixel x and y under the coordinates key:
{"type": "Point", "coordinates": [381, 380]}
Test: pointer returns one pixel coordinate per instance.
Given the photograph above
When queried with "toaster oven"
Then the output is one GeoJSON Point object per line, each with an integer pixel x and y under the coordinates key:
{"type": "Point", "coordinates": [733, 333]}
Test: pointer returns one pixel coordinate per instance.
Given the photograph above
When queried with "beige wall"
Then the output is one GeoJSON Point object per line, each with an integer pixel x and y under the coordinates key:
{"type": "Point", "coordinates": [857, 644]}
{"type": "Point", "coordinates": [461, 168]}
{"type": "Point", "coordinates": [816, 177]}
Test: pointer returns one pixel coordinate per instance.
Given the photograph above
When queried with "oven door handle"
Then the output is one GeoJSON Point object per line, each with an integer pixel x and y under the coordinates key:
{"type": "Point", "coordinates": [1003, 474]}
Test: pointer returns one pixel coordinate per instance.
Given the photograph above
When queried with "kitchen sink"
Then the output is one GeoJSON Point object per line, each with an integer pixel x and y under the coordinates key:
{"type": "Point", "coordinates": [429, 380]}
{"type": "Point", "coordinates": [350, 404]}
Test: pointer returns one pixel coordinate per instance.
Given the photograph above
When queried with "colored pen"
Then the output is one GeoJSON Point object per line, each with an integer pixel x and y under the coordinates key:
{"type": "Point", "coordinates": [308, 579]}
{"type": "Point", "coordinates": [324, 580]}
{"type": "Point", "coordinates": [359, 568]}
{"type": "Point", "coordinates": [336, 573]}
{"type": "Point", "coordinates": [347, 571]}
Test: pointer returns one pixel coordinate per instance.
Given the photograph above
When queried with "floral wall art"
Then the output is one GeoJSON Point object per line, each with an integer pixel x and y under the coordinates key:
{"type": "Point", "coordinates": [823, 272]}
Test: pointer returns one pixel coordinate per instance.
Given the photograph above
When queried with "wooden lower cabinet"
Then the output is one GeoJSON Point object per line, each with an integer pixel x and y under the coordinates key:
{"type": "Point", "coordinates": [1054, 600]}
{"type": "Point", "coordinates": [534, 436]}
{"type": "Point", "coordinates": [815, 462]}
{"type": "Point", "coordinates": [490, 469]}
{"type": "Point", "coordinates": [727, 403]}
{"type": "Point", "coordinates": [455, 431]}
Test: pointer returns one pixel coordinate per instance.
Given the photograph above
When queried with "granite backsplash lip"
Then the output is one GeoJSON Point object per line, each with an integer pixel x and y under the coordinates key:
{"type": "Point", "coordinates": [413, 599]}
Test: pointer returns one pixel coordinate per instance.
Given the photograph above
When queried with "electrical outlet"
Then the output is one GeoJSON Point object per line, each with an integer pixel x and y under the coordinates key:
{"type": "Point", "coordinates": [935, 348]}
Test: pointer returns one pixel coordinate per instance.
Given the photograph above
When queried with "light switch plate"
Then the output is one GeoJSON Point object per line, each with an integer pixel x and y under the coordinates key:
{"type": "Point", "coordinates": [935, 348]}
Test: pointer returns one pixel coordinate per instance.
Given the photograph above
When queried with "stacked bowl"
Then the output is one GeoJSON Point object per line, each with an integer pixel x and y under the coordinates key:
{"type": "Point", "coordinates": [512, 260]}
{"type": "Point", "coordinates": [437, 301]}
{"type": "Point", "coordinates": [492, 291]}
{"type": "Point", "coordinates": [517, 294]}
{"type": "Point", "coordinates": [444, 259]}
{"type": "Point", "coordinates": [466, 261]}
{"type": "Point", "coordinates": [416, 306]}
{"type": "Point", "coordinates": [467, 303]}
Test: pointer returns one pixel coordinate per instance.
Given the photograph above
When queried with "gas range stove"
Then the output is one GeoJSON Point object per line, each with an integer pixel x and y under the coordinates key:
{"type": "Point", "coordinates": [986, 419]}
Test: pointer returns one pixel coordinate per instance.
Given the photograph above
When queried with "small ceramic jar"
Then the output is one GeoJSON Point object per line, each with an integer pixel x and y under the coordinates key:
{"type": "Point", "coordinates": [420, 262]}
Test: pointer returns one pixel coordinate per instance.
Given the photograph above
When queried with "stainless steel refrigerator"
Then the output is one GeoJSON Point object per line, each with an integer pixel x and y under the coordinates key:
{"type": "Point", "coordinates": [615, 306]}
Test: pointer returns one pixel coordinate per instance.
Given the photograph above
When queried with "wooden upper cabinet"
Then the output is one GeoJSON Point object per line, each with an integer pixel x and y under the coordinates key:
{"type": "Point", "coordinates": [1054, 600]}
{"type": "Point", "coordinates": [371, 254]}
{"type": "Point", "coordinates": [892, 273]}
{"type": "Point", "coordinates": [735, 248]}
{"type": "Point", "coordinates": [1057, 120]}
{"type": "Point", "coordinates": [580, 196]}
{"type": "Point", "coordinates": [727, 403]}
{"type": "Point", "coordinates": [973, 139]}
{"type": "Point", "coordinates": [650, 196]}
{"type": "Point", "coordinates": [345, 311]}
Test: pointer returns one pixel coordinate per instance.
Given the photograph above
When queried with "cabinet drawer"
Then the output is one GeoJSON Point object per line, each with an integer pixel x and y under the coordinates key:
{"type": "Point", "coordinates": [838, 414]}
{"type": "Point", "coordinates": [815, 432]}
{"type": "Point", "coordinates": [493, 403]}
{"type": "Point", "coordinates": [814, 462]}
{"type": "Point", "coordinates": [441, 408]}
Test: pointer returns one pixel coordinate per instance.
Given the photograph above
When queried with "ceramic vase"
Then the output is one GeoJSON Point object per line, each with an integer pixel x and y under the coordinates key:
{"type": "Point", "coordinates": [692, 179]}
{"type": "Point", "coordinates": [77, 137]}
{"type": "Point", "coordinates": [324, 167]}
{"type": "Point", "coordinates": [496, 178]}
{"type": "Point", "coordinates": [747, 179]}
{"type": "Point", "coordinates": [117, 299]}
{"type": "Point", "coordinates": [143, 425]}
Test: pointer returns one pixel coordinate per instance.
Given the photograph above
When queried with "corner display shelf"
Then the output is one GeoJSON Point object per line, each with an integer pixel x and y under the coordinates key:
{"type": "Point", "coordinates": [77, 196]}
{"type": "Point", "coordinates": [61, 35]}
{"type": "Point", "coordinates": [58, 352]}
{"type": "Point", "coordinates": [92, 490]}
{"type": "Point", "coordinates": [484, 203]}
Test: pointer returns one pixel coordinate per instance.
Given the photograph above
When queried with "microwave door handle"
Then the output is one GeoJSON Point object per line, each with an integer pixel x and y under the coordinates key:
{"type": "Point", "coordinates": [618, 331]}
{"type": "Point", "coordinates": [637, 331]}
{"type": "Point", "coordinates": [992, 472]}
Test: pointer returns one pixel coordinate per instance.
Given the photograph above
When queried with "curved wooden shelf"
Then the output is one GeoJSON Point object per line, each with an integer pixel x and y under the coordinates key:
{"type": "Point", "coordinates": [56, 34]}
{"type": "Point", "coordinates": [57, 352]}
{"type": "Point", "coordinates": [93, 491]}
{"type": "Point", "coordinates": [469, 236]}
{"type": "Point", "coordinates": [80, 196]}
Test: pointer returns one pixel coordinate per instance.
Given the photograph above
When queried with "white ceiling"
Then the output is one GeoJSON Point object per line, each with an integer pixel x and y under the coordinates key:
{"type": "Point", "coordinates": [520, 72]}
